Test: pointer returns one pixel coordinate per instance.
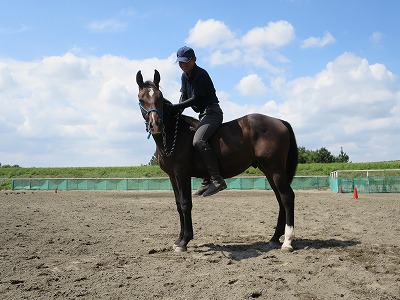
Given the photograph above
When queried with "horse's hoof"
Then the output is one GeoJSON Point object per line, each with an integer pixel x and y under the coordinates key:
{"type": "Point", "coordinates": [287, 248]}
{"type": "Point", "coordinates": [275, 244]}
{"type": "Point", "coordinates": [180, 249]}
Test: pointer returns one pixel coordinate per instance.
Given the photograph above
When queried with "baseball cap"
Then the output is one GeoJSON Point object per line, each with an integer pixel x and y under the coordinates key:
{"type": "Point", "coordinates": [184, 54]}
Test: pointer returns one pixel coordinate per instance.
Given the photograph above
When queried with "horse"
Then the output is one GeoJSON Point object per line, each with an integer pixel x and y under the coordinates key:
{"type": "Point", "coordinates": [254, 140]}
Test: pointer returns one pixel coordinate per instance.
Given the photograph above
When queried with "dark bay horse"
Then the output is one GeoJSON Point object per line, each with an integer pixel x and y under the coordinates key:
{"type": "Point", "coordinates": [252, 140]}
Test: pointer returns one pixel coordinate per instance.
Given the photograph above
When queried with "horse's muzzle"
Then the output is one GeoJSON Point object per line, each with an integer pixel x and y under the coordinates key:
{"type": "Point", "coordinates": [154, 127]}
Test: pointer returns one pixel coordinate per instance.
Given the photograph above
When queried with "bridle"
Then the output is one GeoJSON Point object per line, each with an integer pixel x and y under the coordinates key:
{"type": "Point", "coordinates": [147, 112]}
{"type": "Point", "coordinates": [164, 135]}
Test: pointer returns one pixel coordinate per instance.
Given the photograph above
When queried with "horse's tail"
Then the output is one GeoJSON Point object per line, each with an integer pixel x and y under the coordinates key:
{"type": "Point", "coordinates": [293, 154]}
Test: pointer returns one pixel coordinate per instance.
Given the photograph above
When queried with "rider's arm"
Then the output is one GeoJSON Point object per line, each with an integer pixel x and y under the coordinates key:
{"type": "Point", "coordinates": [185, 103]}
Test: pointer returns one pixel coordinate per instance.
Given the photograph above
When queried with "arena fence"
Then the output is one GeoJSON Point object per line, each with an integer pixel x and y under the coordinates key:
{"type": "Point", "coordinates": [365, 181]}
{"type": "Point", "coordinates": [236, 183]}
{"type": "Point", "coordinates": [338, 181]}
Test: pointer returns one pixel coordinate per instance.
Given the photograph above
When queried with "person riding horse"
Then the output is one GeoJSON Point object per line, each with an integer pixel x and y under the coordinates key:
{"type": "Point", "coordinates": [257, 140]}
{"type": "Point", "coordinates": [198, 92]}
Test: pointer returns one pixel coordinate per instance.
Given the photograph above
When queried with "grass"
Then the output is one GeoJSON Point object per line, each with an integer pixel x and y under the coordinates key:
{"type": "Point", "coordinates": [318, 169]}
{"type": "Point", "coordinates": [315, 169]}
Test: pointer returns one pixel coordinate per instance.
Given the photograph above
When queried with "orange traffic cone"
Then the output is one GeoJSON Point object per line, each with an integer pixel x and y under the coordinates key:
{"type": "Point", "coordinates": [341, 190]}
{"type": "Point", "coordinates": [355, 193]}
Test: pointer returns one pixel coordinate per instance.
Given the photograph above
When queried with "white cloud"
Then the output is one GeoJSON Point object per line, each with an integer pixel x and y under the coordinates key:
{"type": "Point", "coordinates": [318, 42]}
{"type": "Point", "coordinates": [64, 67]}
{"type": "Point", "coordinates": [376, 37]}
{"type": "Point", "coordinates": [210, 33]}
{"type": "Point", "coordinates": [334, 108]}
{"type": "Point", "coordinates": [110, 25]}
{"type": "Point", "coordinates": [251, 85]}
{"type": "Point", "coordinates": [79, 111]}
{"type": "Point", "coordinates": [347, 104]}
{"type": "Point", "coordinates": [71, 111]}
{"type": "Point", "coordinates": [13, 30]}
{"type": "Point", "coordinates": [6, 80]}
{"type": "Point", "coordinates": [221, 58]}
{"type": "Point", "coordinates": [253, 48]}
{"type": "Point", "coordinates": [275, 34]}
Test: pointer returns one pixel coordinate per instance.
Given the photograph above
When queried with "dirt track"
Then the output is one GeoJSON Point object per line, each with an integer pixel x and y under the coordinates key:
{"type": "Point", "coordinates": [118, 245]}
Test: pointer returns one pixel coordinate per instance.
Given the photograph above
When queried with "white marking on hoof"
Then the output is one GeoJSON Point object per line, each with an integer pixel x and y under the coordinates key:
{"type": "Point", "coordinates": [287, 249]}
{"type": "Point", "coordinates": [289, 237]}
{"type": "Point", "coordinates": [180, 249]}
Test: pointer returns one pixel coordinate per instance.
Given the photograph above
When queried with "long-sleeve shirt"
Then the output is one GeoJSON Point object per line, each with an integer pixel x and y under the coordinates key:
{"type": "Point", "coordinates": [200, 86]}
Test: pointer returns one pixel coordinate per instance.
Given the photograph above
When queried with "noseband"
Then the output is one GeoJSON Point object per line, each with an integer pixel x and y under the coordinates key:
{"type": "Point", "coordinates": [147, 112]}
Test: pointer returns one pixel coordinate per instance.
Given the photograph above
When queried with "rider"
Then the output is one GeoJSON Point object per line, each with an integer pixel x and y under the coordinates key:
{"type": "Point", "coordinates": [198, 91]}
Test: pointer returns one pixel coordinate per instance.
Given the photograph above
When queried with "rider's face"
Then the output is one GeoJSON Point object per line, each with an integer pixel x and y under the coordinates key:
{"type": "Point", "coordinates": [187, 67]}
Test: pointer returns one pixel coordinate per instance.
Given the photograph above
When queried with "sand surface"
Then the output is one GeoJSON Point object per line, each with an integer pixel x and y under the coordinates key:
{"type": "Point", "coordinates": [118, 245]}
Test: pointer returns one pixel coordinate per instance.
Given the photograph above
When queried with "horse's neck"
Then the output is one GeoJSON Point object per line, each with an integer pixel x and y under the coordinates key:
{"type": "Point", "coordinates": [159, 142]}
{"type": "Point", "coordinates": [165, 139]}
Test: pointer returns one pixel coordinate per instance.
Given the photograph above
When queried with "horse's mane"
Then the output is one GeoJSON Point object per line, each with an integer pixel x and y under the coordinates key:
{"type": "Point", "coordinates": [151, 84]}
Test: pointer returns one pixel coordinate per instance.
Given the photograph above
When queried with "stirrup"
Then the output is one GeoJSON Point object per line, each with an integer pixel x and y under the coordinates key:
{"type": "Point", "coordinates": [201, 189]}
{"type": "Point", "coordinates": [215, 187]}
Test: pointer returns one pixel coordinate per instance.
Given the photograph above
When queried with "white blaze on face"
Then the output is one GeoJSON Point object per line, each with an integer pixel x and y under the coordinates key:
{"type": "Point", "coordinates": [151, 92]}
{"type": "Point", "coordinates": [151, 117]}
{"type": "Point", "coordinates": [152, 121]}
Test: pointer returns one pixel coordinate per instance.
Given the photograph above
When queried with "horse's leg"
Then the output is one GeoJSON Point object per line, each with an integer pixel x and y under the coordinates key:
{"type": "Point", "coordinates": [287, 199]}
{"type": "Point", "coordinates": [285, 196]}
{"type": "Point", "coordinates": [184, 205]}
{"type": "Point", "coordinates": [280, 226]}
{"type": "Point", "coordinates": [179, 209]}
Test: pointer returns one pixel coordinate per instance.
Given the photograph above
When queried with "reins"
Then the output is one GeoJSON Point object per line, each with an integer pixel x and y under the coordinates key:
{"type": "Point", "coordinates": [164, 135]}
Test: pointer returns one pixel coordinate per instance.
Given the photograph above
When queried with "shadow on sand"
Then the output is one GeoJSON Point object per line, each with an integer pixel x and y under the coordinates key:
{"type": "Point", "coordinates": [239, 251]}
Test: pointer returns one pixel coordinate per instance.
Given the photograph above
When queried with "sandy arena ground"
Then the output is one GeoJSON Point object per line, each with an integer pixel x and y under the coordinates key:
{"type": "Point", "coordinates": [118, 245]}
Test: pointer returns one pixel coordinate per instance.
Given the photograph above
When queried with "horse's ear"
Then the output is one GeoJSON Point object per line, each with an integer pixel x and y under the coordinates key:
{"type": "Point", "coordinates": [139, 79]}
{"type": "Point", "coordinates": [157, 78]}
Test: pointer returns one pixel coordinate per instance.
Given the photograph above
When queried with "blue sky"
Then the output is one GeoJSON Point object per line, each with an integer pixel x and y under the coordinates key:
{"type": "Point", "coordinates": [68, 95]}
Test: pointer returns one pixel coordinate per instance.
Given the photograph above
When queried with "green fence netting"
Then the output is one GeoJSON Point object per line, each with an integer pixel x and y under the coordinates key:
{"type": "Point", "coordinates": [236, 183]}
{"type": "Point", "coordinates": [370, 184]}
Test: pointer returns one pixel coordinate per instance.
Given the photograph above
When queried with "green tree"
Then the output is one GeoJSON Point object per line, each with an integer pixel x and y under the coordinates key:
{"type": "Point", "coordinates": [305, 155]}
{"type": "Point", "coordinates": [324, 156]}
{"type": "Point", "coordinates": [153, 160]}
{"type": "Point", "coordinates": [321, 155]}
{"type": "Point", "coordinates": [343, 157]}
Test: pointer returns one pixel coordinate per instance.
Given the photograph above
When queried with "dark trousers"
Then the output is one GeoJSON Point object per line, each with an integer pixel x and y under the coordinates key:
{"type": "Point", "coordinates": [209, 123]}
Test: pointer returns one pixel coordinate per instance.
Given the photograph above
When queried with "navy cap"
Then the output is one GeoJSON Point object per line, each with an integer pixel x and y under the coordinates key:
{"type": "Point", "coordinates": [184, 54]}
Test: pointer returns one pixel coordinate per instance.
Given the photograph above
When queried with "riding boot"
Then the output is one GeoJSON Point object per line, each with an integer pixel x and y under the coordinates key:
{"type": "Point", "coordinates": [210, 160]}
{"type": "Point", "coordinates": [203, 187]}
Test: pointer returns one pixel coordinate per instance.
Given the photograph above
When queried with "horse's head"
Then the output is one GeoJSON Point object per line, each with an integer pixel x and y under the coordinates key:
{"type": "Point", "coordinates": [151, 102]}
